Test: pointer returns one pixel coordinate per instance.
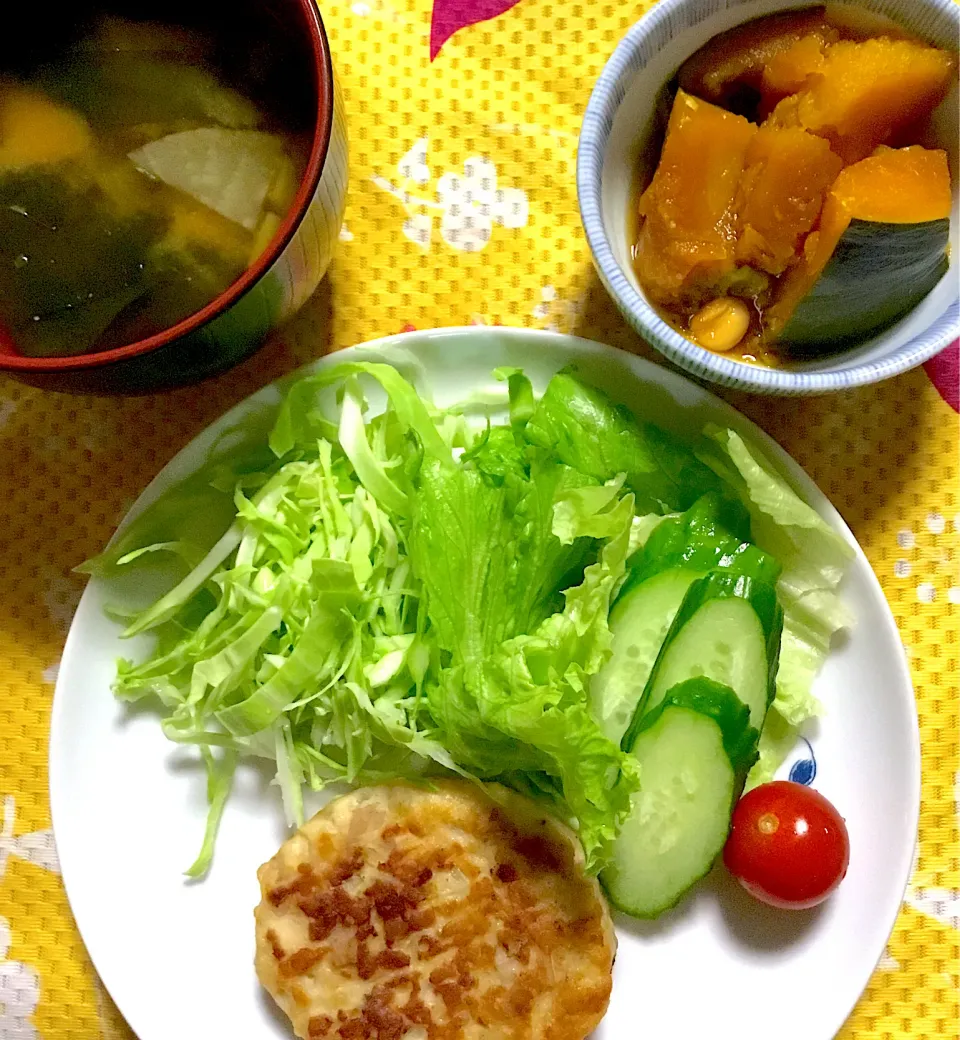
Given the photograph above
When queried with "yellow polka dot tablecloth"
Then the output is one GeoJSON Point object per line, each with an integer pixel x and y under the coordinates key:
{"type": "Point", "coordinates": [441, 96]}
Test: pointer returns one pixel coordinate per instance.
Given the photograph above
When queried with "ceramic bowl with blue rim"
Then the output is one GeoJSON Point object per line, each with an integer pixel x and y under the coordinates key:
{"type": "Point", "coordinates": [619, 138]}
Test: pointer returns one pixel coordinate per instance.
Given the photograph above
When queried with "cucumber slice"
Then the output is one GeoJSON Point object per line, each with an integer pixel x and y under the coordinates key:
{"type": "Point", "coordinates": [681, 549]}
{"type": "Point", "coordinates": [694, 752]}
{"type": "Point", "coordinates": [639, 623]}
{"type": "Point", "coordinates": [722, 641]}
{"type": "Point", "coordinates": [727, 629]}
{"type": "Point", "coordinates": [713, 533]}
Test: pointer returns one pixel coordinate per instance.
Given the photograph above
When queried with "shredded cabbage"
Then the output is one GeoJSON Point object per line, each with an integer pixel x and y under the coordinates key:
{"type": "Point", "coordinates": [404, 594]}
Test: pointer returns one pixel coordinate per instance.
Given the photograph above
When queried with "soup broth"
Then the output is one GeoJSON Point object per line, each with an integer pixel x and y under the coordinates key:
{"type": "Point", "coordinates": [136, 184]}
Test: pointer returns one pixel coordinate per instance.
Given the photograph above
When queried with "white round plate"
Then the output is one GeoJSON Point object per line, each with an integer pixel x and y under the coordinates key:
{"type": "Point", "coordinates": [177, 956]}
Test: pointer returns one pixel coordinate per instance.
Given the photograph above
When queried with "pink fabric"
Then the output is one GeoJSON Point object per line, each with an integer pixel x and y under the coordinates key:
{"type": "Point", "coordinates": [944, 373]}
{"type": "Point", "coordinates": [451, 15]}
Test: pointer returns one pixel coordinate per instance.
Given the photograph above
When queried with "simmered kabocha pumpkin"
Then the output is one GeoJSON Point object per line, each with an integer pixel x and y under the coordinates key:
{"type": "Point", "coordinates": [790, 70]}
{"type": "Point", "coordinates": [864, 93]}
{"type": "Point", "coordinates": [800, 227]}
{"type": "Point", "coordinates": [689, 236]}
{"type": "Point", "coordinates": [786, 175]}
{"type": "Point", "coordinates": [879, 249]}
{"type": "Point", "coordinates": [729, 70]}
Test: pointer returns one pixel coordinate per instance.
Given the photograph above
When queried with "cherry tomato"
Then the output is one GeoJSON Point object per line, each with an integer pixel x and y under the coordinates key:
{"type": "Point", "coordinates": [788, 846]}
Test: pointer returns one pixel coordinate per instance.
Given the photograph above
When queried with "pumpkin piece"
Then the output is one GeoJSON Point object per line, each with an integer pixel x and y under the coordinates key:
{"type": "Point", "coordinates": [789, 71]}
{"type": "Point", "coordinates": [688, 238]}
{"type": "Point", "coordinates": [880, 247]}
{"type": "Point", "coordinates": [897, 185]}
{"type": "Point", "coordinates": [781, 194]}
{"type": "Point", "coordinates": [35, 131]}
{"type": "Point", "coordinates": [732, 64]}
{"type": "Point", "coordinates": [867, 92]}
{"type": "Point", "coordinates": [194, 226]}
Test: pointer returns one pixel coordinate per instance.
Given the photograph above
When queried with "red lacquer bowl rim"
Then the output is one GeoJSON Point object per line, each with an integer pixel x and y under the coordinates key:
{"type": "Point", "coordinates": [323, 130]}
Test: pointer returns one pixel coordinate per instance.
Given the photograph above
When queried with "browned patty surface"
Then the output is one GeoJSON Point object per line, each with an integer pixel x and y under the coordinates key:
{"type": "Point", "coordinates": [402, 913]}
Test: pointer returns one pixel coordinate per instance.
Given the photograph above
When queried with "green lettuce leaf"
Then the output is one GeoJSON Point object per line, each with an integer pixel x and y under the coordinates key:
{"type": "Point", "coordinates": [513, 698]}
{"type": "Point", "coordinates": [583, 428]}
{"type": "Point", "coordinates": [814, 559]}
{"type": "Point", "coordinates": [388, 591]}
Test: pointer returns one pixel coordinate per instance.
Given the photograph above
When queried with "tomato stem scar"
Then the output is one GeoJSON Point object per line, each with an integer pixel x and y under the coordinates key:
{"type": "Point", "coordinates": [769, 823]}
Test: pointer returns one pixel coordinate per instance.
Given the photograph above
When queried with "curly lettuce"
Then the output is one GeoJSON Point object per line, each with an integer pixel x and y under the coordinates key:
{"type": "Point", "coordinates": [383, 590]}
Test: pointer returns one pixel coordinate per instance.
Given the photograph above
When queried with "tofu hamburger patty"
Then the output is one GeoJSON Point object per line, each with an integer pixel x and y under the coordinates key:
{"type": "Point", "coordinates": [405, 913]}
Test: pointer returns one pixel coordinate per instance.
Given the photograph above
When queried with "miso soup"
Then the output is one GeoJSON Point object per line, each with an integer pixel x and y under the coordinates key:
{"type": "Point", "coordinates": [138, 180]}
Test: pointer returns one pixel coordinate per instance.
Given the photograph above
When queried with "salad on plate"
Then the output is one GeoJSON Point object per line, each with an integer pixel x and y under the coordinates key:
{"type": "Point", "coordinates": [560, 597]}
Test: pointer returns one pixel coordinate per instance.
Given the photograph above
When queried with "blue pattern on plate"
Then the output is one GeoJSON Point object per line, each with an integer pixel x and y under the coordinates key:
{"type": "Point", "coordinates": [935, 20]}
{"type": "Point", "coordinates": [804, 770]}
